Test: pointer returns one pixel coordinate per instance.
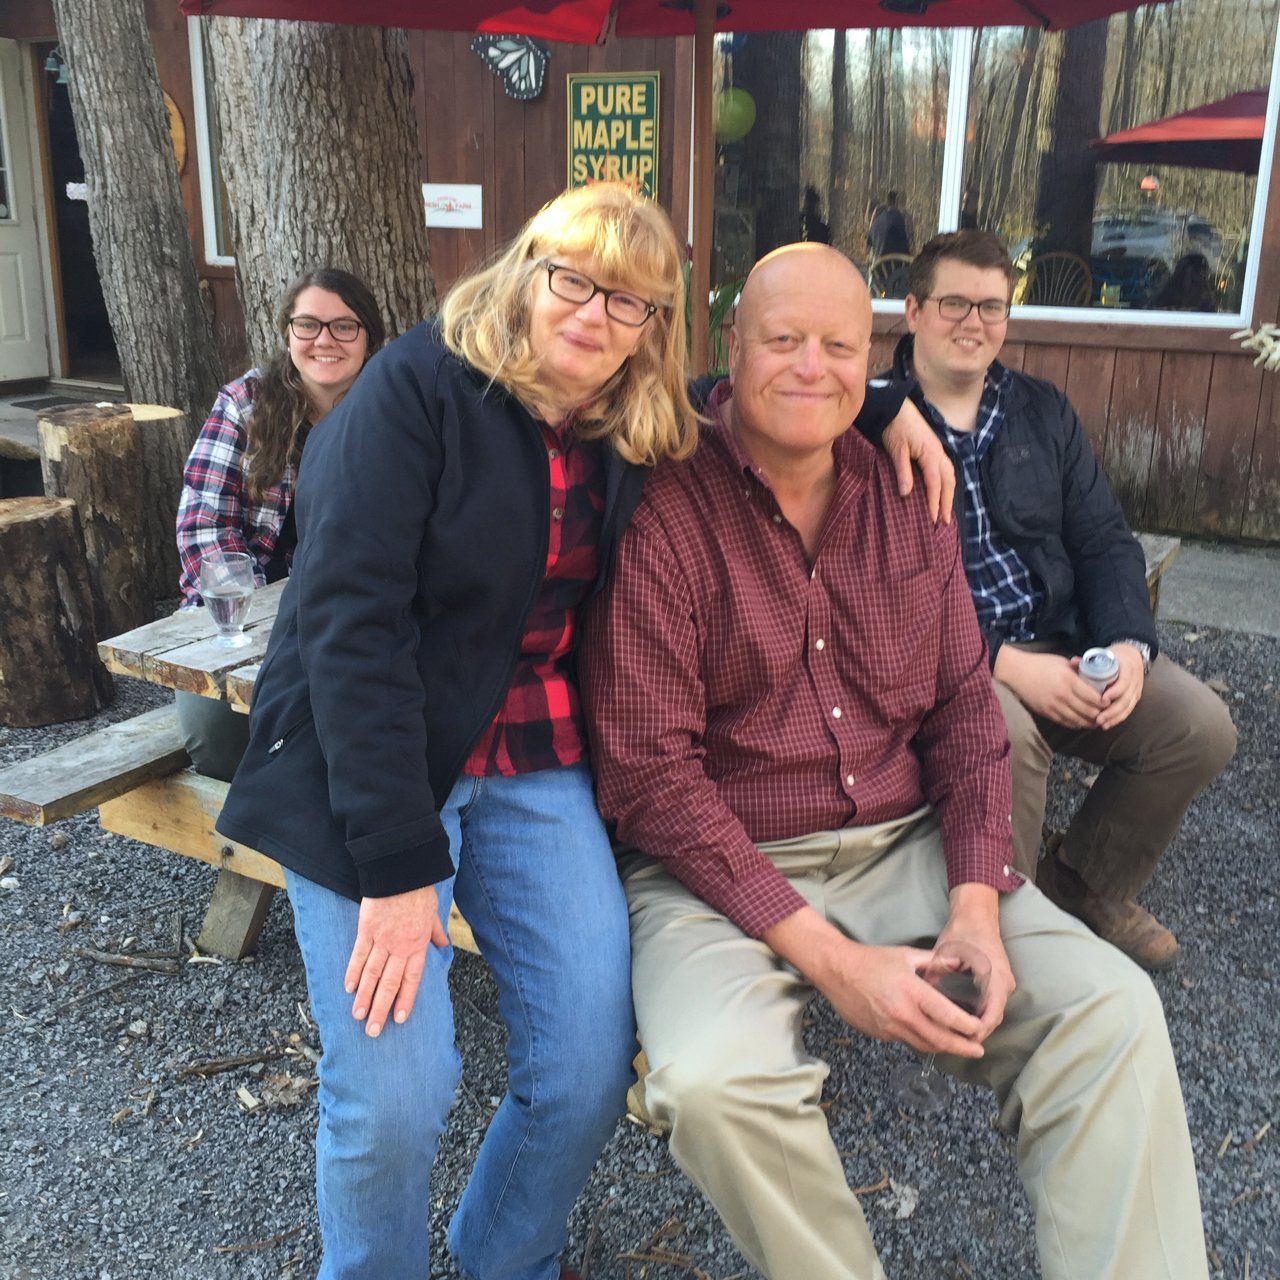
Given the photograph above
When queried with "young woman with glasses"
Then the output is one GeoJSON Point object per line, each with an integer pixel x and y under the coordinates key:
{"type": "Point", "coordinates": [238, 483]}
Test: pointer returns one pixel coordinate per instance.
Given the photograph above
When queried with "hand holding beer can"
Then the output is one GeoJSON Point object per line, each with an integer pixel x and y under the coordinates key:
{"type": "Point", "coordinates": [1098, 668]}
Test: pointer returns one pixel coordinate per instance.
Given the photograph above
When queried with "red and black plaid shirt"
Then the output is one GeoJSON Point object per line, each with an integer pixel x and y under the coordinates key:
{"type": "Point", "coordinates": [739, 693]}
{"type": "Point", "coordinates": [540, 724]}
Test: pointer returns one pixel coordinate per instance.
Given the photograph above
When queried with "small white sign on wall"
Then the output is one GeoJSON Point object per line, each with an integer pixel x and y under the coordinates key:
{"type": "Point", "coordinates": [453, 204]}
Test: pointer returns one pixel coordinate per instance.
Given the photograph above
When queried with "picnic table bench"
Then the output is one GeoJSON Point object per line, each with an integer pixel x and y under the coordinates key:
{"type": "Point", "coordinates": [134, 770]}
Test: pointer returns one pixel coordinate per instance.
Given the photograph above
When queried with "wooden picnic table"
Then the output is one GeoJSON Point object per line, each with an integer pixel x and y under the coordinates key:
{"type": "Point", "coordinates": [178, 812]}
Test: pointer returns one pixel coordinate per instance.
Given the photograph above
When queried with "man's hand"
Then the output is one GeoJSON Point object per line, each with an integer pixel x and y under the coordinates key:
{"type": "Point", "coordinates": [909, 438]}
{"type": "Point", "coordinates": [1049, 686]}
{"type": "Point", "coordinates": [390, 953]}
{"type": "Point", "coordinates": [1123, 693]}
{"type": "Point", "coordinates": [876, 990]}
{"type": "Point", "coordinates": [975, 921]}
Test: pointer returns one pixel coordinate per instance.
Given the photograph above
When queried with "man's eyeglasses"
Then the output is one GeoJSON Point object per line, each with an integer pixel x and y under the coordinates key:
{"type": "Point", "coordinates": [954, 307]}
{"type": "Point", "coordinates": [573, 286]}
{"type": "Point", "coordinates": [307, 327]}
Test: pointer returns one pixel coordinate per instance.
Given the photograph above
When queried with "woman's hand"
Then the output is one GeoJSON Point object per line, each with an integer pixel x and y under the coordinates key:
{"type": "Point", "coordinates": [392, 937]}
{"type": "Point", "coordinates": [909, 438]}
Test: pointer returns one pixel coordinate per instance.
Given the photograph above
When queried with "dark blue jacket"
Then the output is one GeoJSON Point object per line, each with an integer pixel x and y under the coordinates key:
{"type": "Point", "coordinates": [423, 514]}
{"type": "Point", "coordinates": [1048, 496]}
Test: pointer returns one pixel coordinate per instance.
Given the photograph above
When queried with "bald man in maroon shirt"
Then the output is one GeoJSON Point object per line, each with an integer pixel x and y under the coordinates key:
{"type": "Point", "coordinates": [794, 729]}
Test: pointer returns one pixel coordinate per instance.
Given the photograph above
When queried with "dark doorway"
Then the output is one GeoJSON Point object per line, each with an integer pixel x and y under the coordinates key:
{"type": "Point", "coordinates": [91, 348]}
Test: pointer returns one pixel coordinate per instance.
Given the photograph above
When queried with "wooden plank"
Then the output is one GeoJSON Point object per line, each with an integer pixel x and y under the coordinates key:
{"type": "Point", "coordinates": [1088, 387]}
{"type": "Point", "coordinates": [1159, 552]}
{"type": "Point", "coordinates": [1013, 354]}
{"type": "Point", "coordinates": [1262, 510]}
{"type": "Point", "coordinates": [182, 651]}
{"type": "Point", "coordinates": [178, 813]}
{"type": "Point", "coordinates": [239, 686]}
{"type": "Point", "coordinates": [1231, 422]}
{"type": "Point", "coordinates": [1135, 389]}
{"type": "Point", "coordinates": [1179, 435]}
{"type": "Point", "coordinates": [1048, 362]}
{"type": "Point", "coordinates": [237, 911]}
{"type": "Point", "coordinates": [92, 769]}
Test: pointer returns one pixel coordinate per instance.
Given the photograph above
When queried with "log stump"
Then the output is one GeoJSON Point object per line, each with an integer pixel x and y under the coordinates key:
{"type": "Point", "coordinates": [92, 454]}
{"type": "Point", "coordinates": [49, 665]}
{"type": "Point", "coordinates": [167, 437]}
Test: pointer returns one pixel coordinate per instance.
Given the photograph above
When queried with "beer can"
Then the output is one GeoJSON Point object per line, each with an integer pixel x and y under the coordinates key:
{"type": "Point", "coordinates": [1098, 668]}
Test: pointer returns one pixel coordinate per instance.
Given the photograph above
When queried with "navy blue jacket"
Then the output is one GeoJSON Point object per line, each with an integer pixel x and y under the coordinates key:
{"type": "Point", "coordinates": [1048, 496]}
{"type": "Point", "coordinates": [423, 514]}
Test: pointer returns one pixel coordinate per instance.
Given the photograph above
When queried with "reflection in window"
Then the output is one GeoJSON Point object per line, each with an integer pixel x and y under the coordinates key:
{"type": "Point", "coordinates": [1147, 228]}
{"type": "Point", "coordinates": [6, 205]}
{"type": "Point", "coordinates": [834, 136]}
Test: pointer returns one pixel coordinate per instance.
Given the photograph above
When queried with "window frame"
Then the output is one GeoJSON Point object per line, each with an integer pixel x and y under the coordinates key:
{"type": "Point", "coordinates": [204, 149]}
{"type": "Point", "coordinates": [1090, 325]}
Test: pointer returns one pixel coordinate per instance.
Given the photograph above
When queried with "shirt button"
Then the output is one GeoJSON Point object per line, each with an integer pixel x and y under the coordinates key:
{"type": "Point", "coordinates": [1007, 869]}
{"type": "Point", "coordinates": [558, 513]}
{"type": "Point", "coordinates": [553, 453]}
{"type": "Point", "coordinates": [848, 779]}
{"type": "Point", "coordinates": [819, 643]}
{"type": "Point", "coordinates": [836, 712]}
{"type": "Point", "coordinates": [777, 519]}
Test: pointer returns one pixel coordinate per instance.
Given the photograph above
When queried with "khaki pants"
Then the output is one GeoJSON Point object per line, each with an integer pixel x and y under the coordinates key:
{"type": "Point", "coordinates": [1172, 745]}
{"type": "Point", "coordinates": [1081, 1067]}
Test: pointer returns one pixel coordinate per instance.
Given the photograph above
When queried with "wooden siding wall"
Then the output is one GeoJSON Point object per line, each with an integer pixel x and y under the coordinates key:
{"type": "Point", "coordinates": [471, 131]}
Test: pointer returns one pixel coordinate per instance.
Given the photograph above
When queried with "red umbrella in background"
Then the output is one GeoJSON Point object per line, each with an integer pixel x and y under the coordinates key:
{"type": "Point", "coordinates": [592, 21]}
{"type": "Point", "coordinates": [1226, 134]}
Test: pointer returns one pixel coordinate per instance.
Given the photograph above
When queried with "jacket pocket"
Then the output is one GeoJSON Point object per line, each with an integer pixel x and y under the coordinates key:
{"type": "Point", "coordinates": [282, 739]}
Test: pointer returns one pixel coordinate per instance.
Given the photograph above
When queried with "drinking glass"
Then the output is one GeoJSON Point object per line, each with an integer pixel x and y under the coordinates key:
{"type": "Point", "coordinates": [962, 973]}
{"type": "Point", "coordinates": [226, 583]}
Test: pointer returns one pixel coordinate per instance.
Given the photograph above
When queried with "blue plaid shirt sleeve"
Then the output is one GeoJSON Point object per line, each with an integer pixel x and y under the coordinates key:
{"type": "Point", "coordinates": [215, 511]}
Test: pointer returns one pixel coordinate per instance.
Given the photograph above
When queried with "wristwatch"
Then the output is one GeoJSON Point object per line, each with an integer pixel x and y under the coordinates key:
{"type": "Point", "coordinates": [1143, 648]}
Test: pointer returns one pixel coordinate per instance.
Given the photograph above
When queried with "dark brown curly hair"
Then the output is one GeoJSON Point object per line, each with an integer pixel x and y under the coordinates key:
{"type": "Point", "coordinates": [281, 413]}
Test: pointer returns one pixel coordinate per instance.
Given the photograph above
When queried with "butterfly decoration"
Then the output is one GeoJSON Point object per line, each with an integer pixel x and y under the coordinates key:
{"type": "Point", "coordinates": [519, 61]}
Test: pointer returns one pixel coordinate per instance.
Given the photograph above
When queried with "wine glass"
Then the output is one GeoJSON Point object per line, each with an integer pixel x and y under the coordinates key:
{"type": "Point", "coordinates": [226, 583]}
{"type": "Point", "coordinates": [961, 973]}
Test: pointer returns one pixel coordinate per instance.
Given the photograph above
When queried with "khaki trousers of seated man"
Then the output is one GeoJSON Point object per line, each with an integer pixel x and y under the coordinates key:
{"type": "Point", "coordinates": [1175, 741]}
{"type": "Point", "coordinates": [1081, 1068]}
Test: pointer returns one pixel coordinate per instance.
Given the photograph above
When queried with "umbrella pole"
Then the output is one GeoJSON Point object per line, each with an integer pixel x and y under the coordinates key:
{"type": "Point", "coordinates": [704, 150]}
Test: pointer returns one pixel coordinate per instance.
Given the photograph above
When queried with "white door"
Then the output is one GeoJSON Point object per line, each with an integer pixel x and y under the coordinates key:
{"type": "Point", "coordinates": [24, 347]}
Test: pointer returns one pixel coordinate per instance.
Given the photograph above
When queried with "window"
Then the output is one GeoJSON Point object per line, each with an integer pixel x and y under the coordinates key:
{"type": "Point", "coordinates": [1056, 141]}
{"type": "Point", "coordinates": [6, 194]}
{"type": "Point", "coordinates": [215, 207]}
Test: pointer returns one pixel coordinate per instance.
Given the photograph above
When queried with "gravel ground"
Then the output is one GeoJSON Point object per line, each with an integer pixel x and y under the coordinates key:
{"type": "Point", "coordinates": [116, 1166]}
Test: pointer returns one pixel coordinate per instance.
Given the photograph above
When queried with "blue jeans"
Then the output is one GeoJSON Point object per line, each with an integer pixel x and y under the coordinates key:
{"type": "Point", "coordinates": [537, 884]}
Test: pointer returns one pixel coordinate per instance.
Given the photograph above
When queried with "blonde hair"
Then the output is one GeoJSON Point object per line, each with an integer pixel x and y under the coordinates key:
{"type": "Point", "coordinates": [643, 410]}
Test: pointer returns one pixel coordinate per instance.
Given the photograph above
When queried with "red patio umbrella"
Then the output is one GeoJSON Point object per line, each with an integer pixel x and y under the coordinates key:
{"type": "Point", "coordinates": [1226, 134]}
{"type": "Point", "coordinates": [592, 21]}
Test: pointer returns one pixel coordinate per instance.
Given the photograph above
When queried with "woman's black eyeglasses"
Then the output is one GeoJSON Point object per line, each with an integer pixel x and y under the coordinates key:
{"type": "Point", "coordinates": [573, 286]}
{"type": "Point", "coordinates": [308, 327]}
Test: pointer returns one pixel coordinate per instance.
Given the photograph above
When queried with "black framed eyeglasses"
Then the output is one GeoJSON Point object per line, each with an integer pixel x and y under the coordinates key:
{"type": "Point", "coordinates": [620, 305]}
{"type": "Point", "coordinates": [307, 327]}
{"type": "Point", "coordinates": [953, 307]}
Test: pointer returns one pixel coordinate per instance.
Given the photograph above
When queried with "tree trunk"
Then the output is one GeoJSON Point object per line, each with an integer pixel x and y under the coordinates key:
{"type": "Point", "coordinates": [166, 436]}
{"type": "Point", "coordinates": [136, 215]}
{"type": "Point", "coordinates": [841, 210]}
{"type": "Point", "coordinates": [49, 666]}
{"type": "Point", "coordinates": [769, 67]}
{"type": "Point", "coordinates": [1068, 174]}
{"type": "Point", "coordinates": [320, 157]}
{"type": "Point", "coordinates": [93, 455]}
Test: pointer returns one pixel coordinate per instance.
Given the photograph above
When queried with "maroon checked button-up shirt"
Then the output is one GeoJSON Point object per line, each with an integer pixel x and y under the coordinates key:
{"type": "Point", "coordinates": [738, 693]}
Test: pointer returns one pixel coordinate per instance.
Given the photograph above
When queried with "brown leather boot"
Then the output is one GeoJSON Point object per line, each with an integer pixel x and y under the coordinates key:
{"type": "Point", "coordinates": [1123, 923]}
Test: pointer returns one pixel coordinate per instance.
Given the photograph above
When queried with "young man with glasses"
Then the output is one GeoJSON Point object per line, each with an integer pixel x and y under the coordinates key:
{"type": "Point", "coordinates": [1054, 570]}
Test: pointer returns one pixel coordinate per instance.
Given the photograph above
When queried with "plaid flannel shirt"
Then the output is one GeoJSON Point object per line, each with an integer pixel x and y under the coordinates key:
{"type": "Point", "coordinates": [216, 510]}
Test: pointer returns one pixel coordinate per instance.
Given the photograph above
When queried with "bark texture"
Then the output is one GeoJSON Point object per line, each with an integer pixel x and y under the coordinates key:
{"type": "Point", "coordinates": [49, 667]}
{"type": "Point", "coordinates": [136, 214]}
{"type": "Point", "coordinates": [320, 157]}
{"type": "Point", "coordinates": [166, 436]}
{"type": "Point", "coordinates": [93, 455]}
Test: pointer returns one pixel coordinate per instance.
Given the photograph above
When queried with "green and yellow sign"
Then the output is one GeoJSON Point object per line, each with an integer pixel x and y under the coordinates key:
{"type": "Point", "coordinates": [613, 129]}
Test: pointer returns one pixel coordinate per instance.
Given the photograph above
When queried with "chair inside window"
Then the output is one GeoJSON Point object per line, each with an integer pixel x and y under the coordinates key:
{"type": "Point", "coordinates": [1056, 279]}
{"type": "Point", "coordinates": [887, 275]}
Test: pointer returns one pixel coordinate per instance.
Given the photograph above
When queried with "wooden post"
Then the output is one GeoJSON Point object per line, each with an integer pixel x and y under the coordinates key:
{"type": "Point", "coordinates": [167, 436]}
{"type": "Point", "coordinates": [49, 667]}
{"type": "Point", "coordinates": [704, 161]}
{"type": "Point", "coordinates": [93, 455]}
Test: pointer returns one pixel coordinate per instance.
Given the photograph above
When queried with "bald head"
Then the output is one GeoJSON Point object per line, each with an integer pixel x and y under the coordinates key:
{"type": "Point", "coordinates": [797, 271]}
